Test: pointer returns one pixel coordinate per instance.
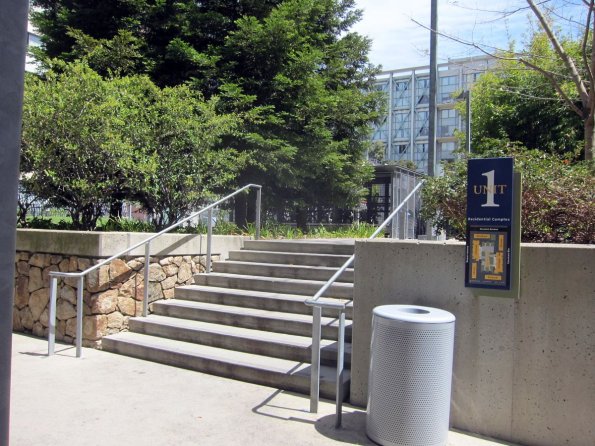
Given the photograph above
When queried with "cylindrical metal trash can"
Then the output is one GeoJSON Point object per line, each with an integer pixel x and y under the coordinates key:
{"type": "Point", "coordinates": [410, 375]}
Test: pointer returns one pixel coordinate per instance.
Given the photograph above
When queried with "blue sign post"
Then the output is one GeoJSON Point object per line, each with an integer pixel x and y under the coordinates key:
{"type": "Point", "coordinates": [492, 223]}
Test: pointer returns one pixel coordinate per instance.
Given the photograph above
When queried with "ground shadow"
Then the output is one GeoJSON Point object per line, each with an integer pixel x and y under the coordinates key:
{"type": "Point", "coordinates": [59, 349]}
{"type": "Point", "coordinates": [352, 430]}
{"type": "Point", "coordinates": [280, 412]}
{"type": "Point", "coordinates": [60, 352]}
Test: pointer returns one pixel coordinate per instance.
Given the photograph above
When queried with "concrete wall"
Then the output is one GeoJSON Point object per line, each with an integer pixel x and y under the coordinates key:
{"type": "Point", "coordinates": [106, 244]}
{"type": "Point", "coordinates": [524, 370]}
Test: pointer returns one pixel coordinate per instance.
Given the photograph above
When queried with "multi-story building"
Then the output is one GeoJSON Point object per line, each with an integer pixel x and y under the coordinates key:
{"type": "Point", "coordinates": [33, 40]}
{"type": "Point", "coordinates": [402, 134]}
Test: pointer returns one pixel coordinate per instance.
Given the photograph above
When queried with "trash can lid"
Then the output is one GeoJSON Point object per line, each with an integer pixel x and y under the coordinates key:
{"type": "Point", "coordinates": [414, 313]}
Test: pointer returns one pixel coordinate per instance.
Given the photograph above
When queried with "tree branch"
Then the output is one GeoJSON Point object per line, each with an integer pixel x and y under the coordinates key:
{"type": "Point", "coordinates": [480, 48]}
{"type": "Point", "coordinates": [494, 54]}
{"type": "Point", "coordinates": [588, 66]}
{"type": "Point", "coordinates": [550, 77]}
{"type": "Point", "coordinates": [566, 59]}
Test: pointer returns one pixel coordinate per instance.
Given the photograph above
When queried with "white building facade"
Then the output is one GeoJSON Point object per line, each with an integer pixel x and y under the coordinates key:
{"type": "Point", "coordinates": [402, 133]}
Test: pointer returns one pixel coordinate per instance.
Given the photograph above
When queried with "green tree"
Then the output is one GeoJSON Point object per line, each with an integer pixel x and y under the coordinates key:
{"type": "Point", "coordinates": [76, 148]}
{"type": "Point", "coordinates": [184, 133]}
{"type": "Point", "coordinates": [514, 103]}
{"type": "Point", "coordinates": [290, 68]}
{"type": "Point", "coordinates": [89, 143]}
{"type": "Point", "coordinates": [311, 77]}
{"type": "Point", "coordinates": [175, 38]}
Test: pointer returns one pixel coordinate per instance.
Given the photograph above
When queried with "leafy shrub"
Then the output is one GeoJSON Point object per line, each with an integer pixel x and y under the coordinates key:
{"type": "Point", "coordinates": [126, 225]}
{"type": "Point", "coordinates": [558, 197]}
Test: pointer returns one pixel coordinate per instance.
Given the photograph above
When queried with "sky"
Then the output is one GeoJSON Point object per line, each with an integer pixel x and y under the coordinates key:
{"type": "Point", "coordinates": [398, 42]}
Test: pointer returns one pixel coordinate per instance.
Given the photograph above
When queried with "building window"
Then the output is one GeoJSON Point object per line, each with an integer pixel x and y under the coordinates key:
{"type": "Point", "coordinates": [422, 91]}
{"type": "Point", "coordinates": [448, 86]}
{"type": "Point", "coordinates": [401, 125]}
{"type": "Point", "coordinates": [420, 156]}
{"type": "Point", "coordinates": [447, 122]}
{"type": "Point", "coordinates": [382, 86]}
{"type": "Point", "coordinates": [33, 40]}
{"type": "Point", "coordinates": [380, 130]}
{"type": "Point", "coordinates": [398, 152]}
{"type": "Point", "coordinates": [446, 151]}
{"type": "Point", "coordinates": [421, 123]}
{"type": "Point", "coordinates": [401, 94]}
{"type": "Point", "coordinates": [469, 79]}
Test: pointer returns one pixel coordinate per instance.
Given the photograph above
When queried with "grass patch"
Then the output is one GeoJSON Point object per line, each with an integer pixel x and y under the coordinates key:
{"type": "Point", "coordinates": [270, 230]}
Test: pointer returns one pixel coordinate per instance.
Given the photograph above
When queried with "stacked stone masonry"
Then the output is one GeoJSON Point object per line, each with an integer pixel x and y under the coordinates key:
{"type": "Point", "coordinates": [112, 294]}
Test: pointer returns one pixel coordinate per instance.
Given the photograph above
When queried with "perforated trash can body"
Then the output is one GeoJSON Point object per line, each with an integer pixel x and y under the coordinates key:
{"type": "Point", "coordinates": [410, 375]}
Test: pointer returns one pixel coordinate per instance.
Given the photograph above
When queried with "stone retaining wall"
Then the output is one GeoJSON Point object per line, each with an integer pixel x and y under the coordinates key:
{"type": "Point", "coordinates": [113, 293]}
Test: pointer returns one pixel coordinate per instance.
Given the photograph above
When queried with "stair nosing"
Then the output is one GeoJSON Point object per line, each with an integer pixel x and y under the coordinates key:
{"type": "Point", "coordinates": [242, 359]}
{"type": "Point", "coordinates": [246, 311]}
{"type": "Point", "coordinates": [255, 293]}
{"type": "Point", "coordinates": [234, 331]}
{"type": "Point", "coordinates": [345, 285]}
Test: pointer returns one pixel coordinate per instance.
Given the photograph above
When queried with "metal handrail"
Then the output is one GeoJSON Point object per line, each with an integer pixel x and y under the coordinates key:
{"type": "Point", "coordinates": [147, 242]}
{"type": "Point", "coordinates": [317, 305]}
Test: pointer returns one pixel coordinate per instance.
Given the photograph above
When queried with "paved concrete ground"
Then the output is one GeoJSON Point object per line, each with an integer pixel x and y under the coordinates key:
{"type": "Point", "coordinates": [107, 399]}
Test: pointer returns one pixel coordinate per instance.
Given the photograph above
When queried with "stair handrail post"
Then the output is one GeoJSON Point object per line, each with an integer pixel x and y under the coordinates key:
{"type": "Point", "coordinates": [340, 369]}
{"type": "Point", "coordinates": [146, 279]}
{"type": "Point", "coordinates": [315, 362]}
{"type": "Point", "coordinates": [258, 212]}
{"type": "Point", "coordinates": [317, 310]}
{"type": "Point", "coordinates": [52, 315]}
{"type": "Point", "coordinates": [79, 316]}
{"type": "Point", "coordinates": [209, 239]}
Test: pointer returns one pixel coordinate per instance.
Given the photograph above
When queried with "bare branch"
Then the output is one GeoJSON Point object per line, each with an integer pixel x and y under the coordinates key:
{"type": "Point", "coordinates": [588, 66]}
{"type": "Point", "coordinates": [492, 52]}
{"type": "Point", "coordinates": [566, 59]}
{"type": "Point", "coordinates": [520, 93]}
{"type": "Point", "coordinates": [592, 65]}
{"type": "Point", "coordinates": [551, 78]}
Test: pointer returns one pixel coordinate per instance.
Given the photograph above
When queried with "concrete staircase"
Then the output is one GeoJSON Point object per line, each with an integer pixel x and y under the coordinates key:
{"type": "Point", "coordinates": [247, 319]}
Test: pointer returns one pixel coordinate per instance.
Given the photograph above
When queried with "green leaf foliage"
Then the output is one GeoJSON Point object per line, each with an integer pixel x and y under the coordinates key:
{"type": "Point", "coordinates": [291, 70]}
{"type": "Point", "coordinates": [314, 80]}
{"type": "Point", "coordinates": [184, 134]}
{"type": "Point", "coordinates": [518, 104]}
{"type": "Point", "coordinates": [88, 143]}
{"type": "Point", "coordinates": [78, 145]}
{"type": "Point", "coordinates": [558, 197]}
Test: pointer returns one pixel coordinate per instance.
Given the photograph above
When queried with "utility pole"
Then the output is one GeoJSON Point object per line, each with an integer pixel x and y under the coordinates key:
{"type": "Point", "coordinates": [13, 44]}
{"type": "Point", "coordinates": [433, 88]}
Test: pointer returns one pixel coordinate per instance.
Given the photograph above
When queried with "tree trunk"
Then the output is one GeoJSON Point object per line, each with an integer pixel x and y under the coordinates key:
{"type": "Point", "coordinates": [115, 209]}
{"type": "Point", "coordinates": [589, 137]}
{"type": "Point", "coordinates": [251, 206]}
{"type": "Point", "coordinates": [301, 219]}
{"type": "Point", "coordinates": [240, 211]}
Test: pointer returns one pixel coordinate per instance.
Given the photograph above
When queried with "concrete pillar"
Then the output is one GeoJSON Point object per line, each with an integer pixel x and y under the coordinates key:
{"type": "Point", "coordinates": [13, 42]}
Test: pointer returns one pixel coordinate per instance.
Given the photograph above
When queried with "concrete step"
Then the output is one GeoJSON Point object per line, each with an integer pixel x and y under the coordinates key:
{"type": "Point", "coordinates": [273, 284]}
{"type": "Point", "coordinates": [289, 258]}
{"type": "Point", "coordinates": [278, 373]}
{"type": "Point", "coordinates": [338, 246]}
{"type": "Point", "coordinates": [321, 273]}
{"type": "Point", "coordinates": [262, 300]}
{"type": "Point", "coordinates": [277, 345]}
{"type": "Point", "coordinates": [275, 321]}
